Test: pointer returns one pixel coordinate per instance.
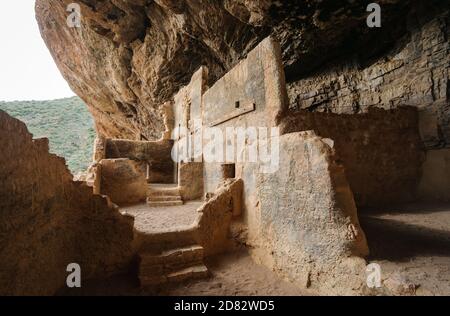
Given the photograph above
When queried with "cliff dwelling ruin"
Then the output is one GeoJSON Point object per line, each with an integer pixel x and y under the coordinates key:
{"type": "Point", "coordinates": [243, 147]}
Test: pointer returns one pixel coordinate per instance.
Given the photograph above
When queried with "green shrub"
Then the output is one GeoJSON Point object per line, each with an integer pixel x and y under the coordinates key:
{"type": "Point", "coordinates": [67, 124]}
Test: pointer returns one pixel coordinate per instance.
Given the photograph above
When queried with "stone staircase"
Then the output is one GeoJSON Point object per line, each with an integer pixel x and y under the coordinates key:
{"type": "Point", "coordinates": [160, 195]}
{"type": "Point", "coordinates": [172, 266]}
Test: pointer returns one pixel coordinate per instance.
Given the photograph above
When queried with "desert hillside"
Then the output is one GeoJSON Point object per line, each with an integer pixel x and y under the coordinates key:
{"type": "Point", "coordinates": [65, 122]}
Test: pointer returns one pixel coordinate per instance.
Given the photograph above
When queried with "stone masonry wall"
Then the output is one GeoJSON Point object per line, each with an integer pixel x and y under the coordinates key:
{"type": "Point", "coordinates": [414, 73]}
{"type": "Point", "coordinates": [48, 221]}
{"type": "Point", "coordinates": [122, 181]}
{"type": "Point", "coordinates": [155, 154]}
{"type": "Point", "coordinates": [381, 150]}
{"type": "Point", "coordinates": [305, 203]}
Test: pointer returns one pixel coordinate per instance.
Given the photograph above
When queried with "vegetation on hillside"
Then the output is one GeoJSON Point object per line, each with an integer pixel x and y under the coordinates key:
{"type": "Point", "coordinates": [65, 122]}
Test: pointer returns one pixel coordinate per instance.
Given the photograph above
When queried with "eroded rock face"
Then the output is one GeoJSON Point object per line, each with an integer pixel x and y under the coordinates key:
{"type": "Point", "coordinates": [129, 57]}
{"type": "Point", "coordinates": [414, 73]}
{"type": "Point", "coordinates": [47, 221]}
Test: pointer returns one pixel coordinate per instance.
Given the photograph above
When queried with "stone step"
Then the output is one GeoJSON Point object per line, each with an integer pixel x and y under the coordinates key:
{"type": "Point", "coordinates": [167, 240]}
{"type": "Point", "coordinates": [187, 254]}
{"type": "Point", "coordinates": [163, 198]}
{"type": "Point", "coordinates": [190, 273]}
{"type": "Point", "coordinates": [152, 203]}
{"type": "Point", "coordinates": [171, 266]}
{"type": "Point", "coordinates": [175, 191]}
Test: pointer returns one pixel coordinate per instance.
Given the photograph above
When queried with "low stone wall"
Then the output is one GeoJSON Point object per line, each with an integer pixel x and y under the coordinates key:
{"type": "Point", "coordinates": [157, 155]}
{"type": "Point", "coordinates": [381, 150]}
{"type": "Point", "coordinates": [299, 220]}
{"type": "Point", "coordinates": [122, 181]}
{"type": "Point", "coordinates": [306, 219]}
{"type": "Point", "coordinates": [47, 221]}
{"type": "Point", "coordinates": [213, 227]}
{"type": "Point", "coordinates": [191, 180]}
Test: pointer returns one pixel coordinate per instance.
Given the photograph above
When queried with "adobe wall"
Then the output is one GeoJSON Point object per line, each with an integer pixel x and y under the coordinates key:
{"type": "Point", "coordinates": [156, 154]}
{"type": "Point", "coordinates": [258, 84]}
{"type": "Point", "coordinates": [187, 111]}
{"type": "Point", "coordinates": [122, 181]}
{"type": "Point", "coordinates": [188, 101]}
{"type": "Point", "coordinates": [216, 216]}
{"type": "Point", "coordinates": [48, 221]}
{"type": "Point", "coordinates": [299, 220]}
{"type": "Point", "coordinates": [191, 181]}
{"type": "Point", "coordinates": [381, 150]}
{"type": "Point", "coordinates": [309, 228]}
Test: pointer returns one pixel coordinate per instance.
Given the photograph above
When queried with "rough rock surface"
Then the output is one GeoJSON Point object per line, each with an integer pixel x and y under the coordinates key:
{"type": "Point", "coordinates": [131, 56]}
{"type": "Point", "coordinates": [414, 73]}
{"type": "Point", "coordinates": [122, 181]}
{"type": "Point", "coordinates": [51, 219]}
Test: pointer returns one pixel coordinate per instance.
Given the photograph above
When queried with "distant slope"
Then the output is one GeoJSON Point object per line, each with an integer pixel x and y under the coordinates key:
{"type": "Point", "coordinates": [66, 123]}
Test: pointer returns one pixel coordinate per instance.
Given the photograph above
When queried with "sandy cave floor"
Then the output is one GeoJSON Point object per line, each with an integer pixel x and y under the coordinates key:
{"type": "Point", "coordinates": [236, 274]}
{"type": "Point", "coordinates": [161, 219]}
{"type": "Point", "coordinates": [231, 274]}
{"type": "Point", "coordinates": [412, 241]}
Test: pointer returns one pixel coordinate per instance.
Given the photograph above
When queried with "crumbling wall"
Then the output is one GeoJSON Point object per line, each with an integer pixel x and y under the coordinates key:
{"type": "Point", "coordinates": [122, 181]}
{"type": "Point", "coordinates": [216, 215]}
{"type": "Point", "coordinates": [47, 221]}
{"type": "Point", "coordinates": [413, 73]}
{"type": "Point", "coordinates": [187, 122]}
{"type": "Point", "coordinates": [154, 155]}
{"type": "Point", "coordinates": [188, 101]}
{"type": "Point", "coordinates": [386, 167]}
{"type": "Point", "coordinates": [299, 217]}
{"type": "Point", "coordinates": [309, 229]}
{"type": "Point", "coordinates": [381, 150]}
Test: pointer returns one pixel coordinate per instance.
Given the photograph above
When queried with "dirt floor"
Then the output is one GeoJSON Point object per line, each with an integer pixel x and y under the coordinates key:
{"type": "Point", "coordinates": [162, 219]}
{"type": "Point", "coordinates": [412, 245]}
{"type": "Point", "coordinates": [231, 274]}
{"type": "Point", "coordinates": [236, 274]}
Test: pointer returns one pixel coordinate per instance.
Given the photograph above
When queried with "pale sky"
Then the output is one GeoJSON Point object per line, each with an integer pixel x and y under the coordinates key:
{"type": "Point", "coordinates": [27, 70]}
